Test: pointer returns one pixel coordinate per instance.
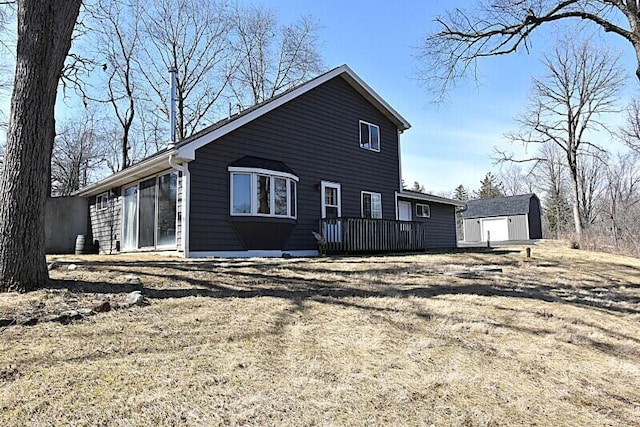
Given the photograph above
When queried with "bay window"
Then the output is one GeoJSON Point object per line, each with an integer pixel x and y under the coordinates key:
{"type": "Point", "coordinates": [262, 193]}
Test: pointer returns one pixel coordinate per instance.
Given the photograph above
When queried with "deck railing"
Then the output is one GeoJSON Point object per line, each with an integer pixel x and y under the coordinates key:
{"type": "Point", "coordinates": [358, 235]}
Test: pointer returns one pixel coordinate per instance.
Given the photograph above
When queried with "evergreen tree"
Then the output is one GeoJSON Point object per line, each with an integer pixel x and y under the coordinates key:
{"type": "Point", "coordinates": [417, 187]}
{"type": "Point", "coordinates": [557, 213]}
{"type": "Point", "coordinates": [461, 193]}
{"type": "Point", "coordinates": [490, 187]}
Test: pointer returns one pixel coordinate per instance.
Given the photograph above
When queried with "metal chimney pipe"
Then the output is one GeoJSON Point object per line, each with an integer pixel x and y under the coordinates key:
{"type": "Point", "coordinates": [173, 84]}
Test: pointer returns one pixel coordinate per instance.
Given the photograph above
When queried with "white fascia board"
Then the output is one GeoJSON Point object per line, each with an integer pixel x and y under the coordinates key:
{"type": "Point", "coordinates": [133, 173]}
{"type": "Point", "coordinates": [187, 152]}
{"type": "Point", "coordinates": [431, 198]}
{"type": "Point", "coordinates": [373, 96]}
{"type": "Point", "coordinates": [253, 254]}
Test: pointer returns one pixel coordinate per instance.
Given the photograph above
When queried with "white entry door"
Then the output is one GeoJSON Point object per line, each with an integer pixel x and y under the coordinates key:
{"type": "Point", "coordinates": [331, 208]}
{"type": "Point", "coordinates": [496, 228]}
{"type": "Point", "coordinates": [404, 211]}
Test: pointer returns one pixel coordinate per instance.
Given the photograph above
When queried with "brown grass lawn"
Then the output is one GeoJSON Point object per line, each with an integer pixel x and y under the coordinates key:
{"type": "Point", "coordinates": [554, 340]}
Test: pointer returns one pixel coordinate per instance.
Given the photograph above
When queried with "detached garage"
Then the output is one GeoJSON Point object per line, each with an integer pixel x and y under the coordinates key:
{"type": "Point", "coordinates": [503, 219]}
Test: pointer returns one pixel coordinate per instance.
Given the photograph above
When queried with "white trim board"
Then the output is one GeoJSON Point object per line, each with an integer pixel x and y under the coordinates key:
{"type": "Point", "coordinates": [252, 254]}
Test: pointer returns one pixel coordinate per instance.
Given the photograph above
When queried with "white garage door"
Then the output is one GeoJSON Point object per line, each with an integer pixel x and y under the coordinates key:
{"type": "Point", "coordinates": [497, 228]}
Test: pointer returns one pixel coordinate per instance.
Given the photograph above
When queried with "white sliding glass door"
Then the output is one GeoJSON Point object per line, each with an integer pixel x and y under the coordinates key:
{"type": "Point", "coordinates": [150, 213]}
{"type": "Point", "coordinates": [130, 218]}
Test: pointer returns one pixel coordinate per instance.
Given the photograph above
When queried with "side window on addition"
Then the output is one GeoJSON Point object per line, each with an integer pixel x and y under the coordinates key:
{"type": "Point", "coordinates": [369, 136]}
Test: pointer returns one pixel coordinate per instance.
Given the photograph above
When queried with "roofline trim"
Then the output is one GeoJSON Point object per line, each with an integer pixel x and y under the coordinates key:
{"type": "Point", "coordinates": [124, 176]}
{"type": "Point", "coordinates": [431, 198]}
{"type": "Point", "coordinates": [187, 151]}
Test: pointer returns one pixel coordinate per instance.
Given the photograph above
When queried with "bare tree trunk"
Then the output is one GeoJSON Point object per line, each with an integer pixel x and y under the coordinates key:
{"type": "Point", "coordinates": [44, 39]}
{"type": "Point", "coordinates": [577, 217]}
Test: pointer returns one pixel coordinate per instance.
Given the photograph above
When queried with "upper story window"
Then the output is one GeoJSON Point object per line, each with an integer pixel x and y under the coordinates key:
{"type": "Point", "coordinates": [423, 211]}
{"type": "Point", "coordinates": [371, 205]}
{"type": "Point", "coordinates": [369, 136]}
{"type": "Point", "coordinates": [258, 192]}
{"type": "Point", "coordinates": [102, 201]}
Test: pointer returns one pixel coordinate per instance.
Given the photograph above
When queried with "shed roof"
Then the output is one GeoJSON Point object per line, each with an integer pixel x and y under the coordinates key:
{"type": "Point", "coordinates": [499, 206]}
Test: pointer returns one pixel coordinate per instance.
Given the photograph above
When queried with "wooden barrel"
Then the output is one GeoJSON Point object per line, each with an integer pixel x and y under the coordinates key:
{"type": "Point", "coordinates": [81, 244]}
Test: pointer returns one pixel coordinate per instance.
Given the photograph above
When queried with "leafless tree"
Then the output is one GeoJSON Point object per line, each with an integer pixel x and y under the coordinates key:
{"type": "Point", "coordinates": [43, 41]}
{"type": "Point", "coordinates": [501, 27]}
{"type": "Point", "coordinates": [623, 201]}
{"type": "Point", "coordinates": [271, 58]}
{"type": "Point", "coordinates": [630, 133]}
{"type": "Point", "coordinates": [78, 154]}
{"type": "Point", "coordinates": [515, 180]}
{"type": "Point", "coordinates": [566, 106]}
{"type": "Point", "coordinates": [117, 39]}
{"type": "Point", "coordinates": [591, 178]}
{"type": "Point", "coordinates": [193, 37]}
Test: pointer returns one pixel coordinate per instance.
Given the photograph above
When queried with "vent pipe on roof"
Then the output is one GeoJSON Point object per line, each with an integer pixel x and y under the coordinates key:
{"type": "Point", "coordinates": [173, 84]}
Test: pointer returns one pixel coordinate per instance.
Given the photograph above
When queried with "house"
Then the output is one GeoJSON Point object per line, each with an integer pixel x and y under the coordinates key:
{"type": "Point", "coordinates": [503, 219]}
{"type": "Point", "coordinates": [322, 157]}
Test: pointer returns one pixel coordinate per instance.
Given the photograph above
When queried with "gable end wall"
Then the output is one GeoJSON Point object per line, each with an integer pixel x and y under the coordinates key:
{"type": "Point", "coordinates": [316, 135]}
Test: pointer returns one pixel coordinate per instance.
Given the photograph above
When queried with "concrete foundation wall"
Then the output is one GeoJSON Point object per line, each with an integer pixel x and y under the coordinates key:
{"type": "Point", "coordinates": [65, 218]}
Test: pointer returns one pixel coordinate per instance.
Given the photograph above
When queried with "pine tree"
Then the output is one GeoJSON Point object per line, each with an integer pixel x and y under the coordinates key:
{"type": "Point", "coordinates": [461, 193]}
{"type": "Point", "coordinates": [490, 187]}
{"type": "Point", "coordinates": [557, 213]}
{"type": "Point", "coordinates": [417, 187]}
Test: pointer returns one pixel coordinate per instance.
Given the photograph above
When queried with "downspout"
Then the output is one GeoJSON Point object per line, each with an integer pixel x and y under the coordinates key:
{"type": "Point", "coordinates": [186, 186]}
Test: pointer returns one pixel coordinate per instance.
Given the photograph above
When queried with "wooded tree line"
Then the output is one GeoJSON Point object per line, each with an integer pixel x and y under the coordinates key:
{"type": "Point", "coordinates": [228, 57]}
{"type": "Point", "coordinates": [570, 150]}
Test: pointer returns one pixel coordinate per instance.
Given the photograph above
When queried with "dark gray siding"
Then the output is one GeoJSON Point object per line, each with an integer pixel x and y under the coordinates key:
{"type": "Point", "coordinates": [105, 224]}
{"type": "Point", "coordinates": [316, 135]}
{"type": "Point", "coordinates": [441, 225]}
{"type": "Point", "coordinates": [535, 220]}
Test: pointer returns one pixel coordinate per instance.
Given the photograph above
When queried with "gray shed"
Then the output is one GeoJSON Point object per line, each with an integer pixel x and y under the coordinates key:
{"type": "Point", "coordinates": [503, 219]}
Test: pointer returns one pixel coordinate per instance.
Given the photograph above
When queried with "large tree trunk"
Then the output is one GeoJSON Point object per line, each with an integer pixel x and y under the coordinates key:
{"type": "Point", "coordinates": [44, 39]}
{"type": "Point", "coordinates": [577, 217]}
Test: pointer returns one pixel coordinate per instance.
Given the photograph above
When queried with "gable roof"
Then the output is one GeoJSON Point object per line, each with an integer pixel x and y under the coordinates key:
{"type": "Point", "coordinates": [499, 206]}
{"type": "Point", "coordinates": [187, 147]}
{"type": "Point", "coordinates": [185, 150]}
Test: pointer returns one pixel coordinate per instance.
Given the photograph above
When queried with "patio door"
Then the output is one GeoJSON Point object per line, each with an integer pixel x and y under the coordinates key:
{"type": "Point", "coordinates": [147, 205]}
{"type": "Point", "coordinates": [331, 208]}
{"type": "Point", "coordinates": [149, 217]}
{"type": "Point", "coordinates": [130, 218]}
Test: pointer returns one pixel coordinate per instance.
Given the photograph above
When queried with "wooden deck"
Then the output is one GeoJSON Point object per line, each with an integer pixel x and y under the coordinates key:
{"type": "Point", "coordinates": [360, 235]}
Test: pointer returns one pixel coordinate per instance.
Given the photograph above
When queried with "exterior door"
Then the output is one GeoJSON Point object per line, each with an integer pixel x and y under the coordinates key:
{"type": "Point", "coordinates": [404, 211]}
{"type": "Point", "coordinates": [495, 229]}
{"type": "Point", "coordinates": [130, 218]}
{"type": "Point", "coordinates": [332, 210]}
{"type": "Point", "coordinates": [147, 214]}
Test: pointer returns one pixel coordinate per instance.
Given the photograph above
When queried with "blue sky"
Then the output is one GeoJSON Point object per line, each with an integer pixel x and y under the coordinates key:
{"type": "Point", "coordinates": [451, 143]}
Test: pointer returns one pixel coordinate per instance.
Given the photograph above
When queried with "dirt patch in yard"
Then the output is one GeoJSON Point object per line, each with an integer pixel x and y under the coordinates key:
{"type": "Point", "coordinates": [550, 340]}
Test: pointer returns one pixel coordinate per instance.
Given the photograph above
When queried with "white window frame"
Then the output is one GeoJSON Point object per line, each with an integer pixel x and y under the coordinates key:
{"type": "Point", "coordinates": [323, 195]}
{"type": "Point", "coordinates": [254, 173]}
{"type": "Point", "coordinates": [362, 193]}
{"type": "Point", "coordinates": [428, 210]}
{"type": "Point", "coordinates": [102, 201]}
{"type": "Point", "coordinates": [369, 126]}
